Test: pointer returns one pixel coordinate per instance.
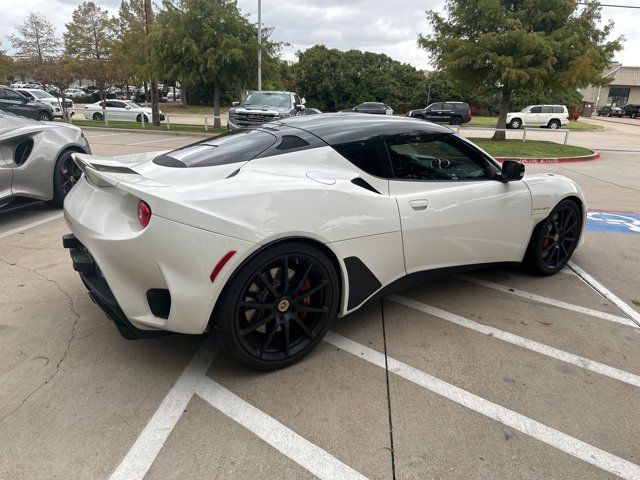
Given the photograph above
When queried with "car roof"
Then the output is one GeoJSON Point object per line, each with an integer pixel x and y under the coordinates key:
{"type": "Point", "coordinates": [338, 128]}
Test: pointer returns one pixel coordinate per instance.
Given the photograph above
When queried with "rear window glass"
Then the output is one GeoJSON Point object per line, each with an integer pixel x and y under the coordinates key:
{"type": "Point", "coordinates": [232, 147]}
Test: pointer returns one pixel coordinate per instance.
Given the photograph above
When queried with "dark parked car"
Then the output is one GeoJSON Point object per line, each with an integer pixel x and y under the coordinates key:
{"type": "Point", "coordinates": [610, 112]}
{"type": "Point", "coordinates": [13, 102]}
{"type": "Point", "coordinates": [372, 107]}
{"type": "Point", "coordinates": [632, 110]}
{"type": "Point", "coordinates": [453, 113]}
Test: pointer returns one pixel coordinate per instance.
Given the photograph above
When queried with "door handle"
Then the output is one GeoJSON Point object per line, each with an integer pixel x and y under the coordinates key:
{"type": "Point", "coordinates": [419, 204]}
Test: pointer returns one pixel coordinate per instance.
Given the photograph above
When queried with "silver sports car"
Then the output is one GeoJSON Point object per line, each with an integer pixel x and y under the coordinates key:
{"type": "Point", "coordinates": [35, 159]}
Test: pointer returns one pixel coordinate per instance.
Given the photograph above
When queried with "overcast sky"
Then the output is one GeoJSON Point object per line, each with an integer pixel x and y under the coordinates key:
{"type": "Point", "coordinates": [387, 26]}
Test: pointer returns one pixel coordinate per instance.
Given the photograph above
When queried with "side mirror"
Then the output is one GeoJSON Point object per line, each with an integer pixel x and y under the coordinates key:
{"type": "Point", "coordinates": [235, 104]}
{"type": "Point", "coordinates": [300, 107]}
{"type": "Point", "coordinates": [512, 170]}
{"type": "Point", "coordinates": [303, 101]}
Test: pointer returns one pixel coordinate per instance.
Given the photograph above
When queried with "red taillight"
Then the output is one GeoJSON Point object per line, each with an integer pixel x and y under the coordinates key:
{"type": "Point", "coordinates": [469, 112]}
{"type": "Point", "coordinates": [144, 213]}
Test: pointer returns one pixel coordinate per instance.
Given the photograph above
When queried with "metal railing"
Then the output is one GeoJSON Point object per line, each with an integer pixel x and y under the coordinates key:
{"type": "Point", "coordinates": [523, 130]}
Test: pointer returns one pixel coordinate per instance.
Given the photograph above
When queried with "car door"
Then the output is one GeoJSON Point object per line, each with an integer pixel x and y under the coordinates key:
{"type": "Point", "coordinates": [6, 176]}
{"type": "Point", "coordinates": [435, 112]}
{"type": "Point", "coordinates": [452, 210]}
{"type": "Point", "coordinates": [533, 117]}
{"type": "Point", "coordinates": [15, 103]}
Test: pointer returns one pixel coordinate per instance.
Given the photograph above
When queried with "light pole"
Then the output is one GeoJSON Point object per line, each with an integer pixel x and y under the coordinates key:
{"type": "Point", "coordinates": [259, 44]}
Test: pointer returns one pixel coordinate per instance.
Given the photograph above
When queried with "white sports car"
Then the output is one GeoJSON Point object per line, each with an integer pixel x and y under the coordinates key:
{"type": "Point", "coordinates": [119, 110]}
{"type": "Point", "coordinates": [265, 235]}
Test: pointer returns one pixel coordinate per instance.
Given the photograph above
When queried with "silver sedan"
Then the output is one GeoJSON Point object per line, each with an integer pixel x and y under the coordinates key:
{"type": "Point", "coordinates": [35, 159]}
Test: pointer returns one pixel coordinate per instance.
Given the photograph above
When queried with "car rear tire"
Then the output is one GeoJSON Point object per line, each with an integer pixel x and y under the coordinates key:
{"type": "Point", "coordinates": [45, 117]}
{"type": "Point", "coordinates": [516, 123]}
{"type": "Point", "coordinates": [456, 121]}
{"type": "Point", "coordinates": [554, 239]}
{"type": "Point", "coordinates": [65, 175]}
{"type": "Point", "coordinates": [553, 124]}
{"type": "Point", "coordinates": [97, 116]}
{"type": "Point", "coordinates": [278, 306]}
{"type": "Point", "coordinates": [634, 115]}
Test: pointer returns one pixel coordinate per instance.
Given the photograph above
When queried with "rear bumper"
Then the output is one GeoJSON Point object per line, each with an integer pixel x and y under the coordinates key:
{"type": "Point", "coordinates": [100, 292]}
{"type": "Point", "coordinates": [139, 266]}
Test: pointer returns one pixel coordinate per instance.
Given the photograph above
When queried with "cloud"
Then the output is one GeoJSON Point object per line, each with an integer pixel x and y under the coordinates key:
{"type": "Point", "coordinates": [383, 26]}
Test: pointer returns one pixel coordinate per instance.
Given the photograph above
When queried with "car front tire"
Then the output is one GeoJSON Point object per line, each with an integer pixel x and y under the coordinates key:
{"type": "Point", "coordinates": [45, 117]}
{"type": "Point", "coordinates": [97, 116]}
{"type": "Point", "coordinates": [554, 239]}
{"type": "Point", "coordinates": [278, 306]}
{"type": "Point", "coordinates": [516, 123]}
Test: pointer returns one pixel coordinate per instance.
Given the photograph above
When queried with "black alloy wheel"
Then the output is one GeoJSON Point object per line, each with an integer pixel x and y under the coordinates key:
{"type": "Point", "coordinates": [555, 239]}
{"type": "Point", "coordinates": [44, 117]}
{"type": "Point", "coordinates": [278, 308]}
{"type": "Point", "coordinates": [66, 174]}
{"type": "Point", "coordinates": [97, 116]}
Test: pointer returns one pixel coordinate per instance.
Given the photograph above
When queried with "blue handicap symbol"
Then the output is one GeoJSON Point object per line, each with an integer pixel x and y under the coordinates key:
{"type": "Point", "coordinates": [613, 222]}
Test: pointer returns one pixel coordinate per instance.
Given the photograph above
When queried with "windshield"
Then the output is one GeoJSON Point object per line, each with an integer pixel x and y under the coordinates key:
{"type": "Point", "coordinates": [132, 104]}
{"type": "Point", "coordinates": [41, 94]}
{"type": "Point", "coordinates": [526, 108]}
{"type": "Point", "coordinates": [269, 99]}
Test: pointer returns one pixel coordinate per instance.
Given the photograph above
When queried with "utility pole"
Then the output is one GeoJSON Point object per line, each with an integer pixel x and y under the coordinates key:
{"type": "Point", "coordinates": [259, 44]}
{"type": "Point", "coordinates": [155, 108]}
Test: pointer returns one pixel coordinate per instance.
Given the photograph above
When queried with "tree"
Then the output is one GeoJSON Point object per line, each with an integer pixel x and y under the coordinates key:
{"type": "Point", "coordinates": [133, 50]}
{"type": "Point", "coordinates": [89, 40]}
{"type": "Point", "coordinates": [331, 79]}
{"type": "Point", "coordinates": [36, 40]}
{"type": "Point", "coordinates": [197, 41]}
{"type": "Point", "coordinates": [520, 45]}
{"type": "Point", "coordinates": [59, 72]}
{"type": "Point", "coordinates": [6, 66]}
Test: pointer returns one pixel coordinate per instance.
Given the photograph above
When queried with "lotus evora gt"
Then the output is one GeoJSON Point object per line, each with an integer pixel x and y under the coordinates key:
{"type": "Point", "coordinates": [35, 159]}
{"type": "Point", "coordinates": [265, 235]}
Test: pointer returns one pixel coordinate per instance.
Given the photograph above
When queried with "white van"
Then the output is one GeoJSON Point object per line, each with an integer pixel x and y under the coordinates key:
{"type": "Point", "coordinates": [550, 116]}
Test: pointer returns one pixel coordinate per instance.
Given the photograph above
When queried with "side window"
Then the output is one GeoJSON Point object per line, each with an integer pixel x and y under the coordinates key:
{"type": "Point", "coordinates": [369, 156]}
{"type": "Point", "coordinates": [557, 109]}
{"type": "Point", "coordinates": [439, 156]}
{"type": "Point", "coordinates": [110, 104]}
{"type": "Point", "coordinates": [536, 110]}
{"type": "Point", "coordinates": [437, 106]}
{"type": "Point", "coordinates": [11, 95]}
{"type": "Point", "coordinates": [547, 109]}
{"type": "Point", "coordinates": [119, 105]}
{"type": "Point", "coordinates": [448, 106]}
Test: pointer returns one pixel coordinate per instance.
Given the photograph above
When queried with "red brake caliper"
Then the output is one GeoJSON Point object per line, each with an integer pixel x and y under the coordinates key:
{"type": "Point", "coordinates": [545, 242]}
{"type": "Point", "coordinates": [306, 285]}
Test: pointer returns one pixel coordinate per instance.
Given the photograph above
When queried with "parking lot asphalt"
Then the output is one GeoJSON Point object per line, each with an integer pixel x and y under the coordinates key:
{"type": "Point", "coordinates": [495, 374]}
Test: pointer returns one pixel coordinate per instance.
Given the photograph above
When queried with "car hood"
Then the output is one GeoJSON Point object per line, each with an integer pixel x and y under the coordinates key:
{"type": "Point", "coordinates": [261, 108]}
{"type": "Point", "coordinates": [10, 125]}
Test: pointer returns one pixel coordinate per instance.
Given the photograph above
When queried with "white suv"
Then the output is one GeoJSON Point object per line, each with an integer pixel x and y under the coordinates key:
{"type": "Point", "coordinates": [551, 116]}
{"type": "Point", "coordinates": [45, 97]}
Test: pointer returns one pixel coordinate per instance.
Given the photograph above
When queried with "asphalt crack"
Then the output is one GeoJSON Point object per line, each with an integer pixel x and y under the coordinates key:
{"type": "Point", "coordinates": [68, 342]}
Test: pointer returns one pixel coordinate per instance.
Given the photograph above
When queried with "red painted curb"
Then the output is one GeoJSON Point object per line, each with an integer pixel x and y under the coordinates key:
{"type": "Point", "coordinates": [584, 158]}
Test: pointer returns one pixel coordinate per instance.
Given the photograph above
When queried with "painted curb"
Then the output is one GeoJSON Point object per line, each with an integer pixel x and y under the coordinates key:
{"type": "Point", "coordinates": [584, 158]}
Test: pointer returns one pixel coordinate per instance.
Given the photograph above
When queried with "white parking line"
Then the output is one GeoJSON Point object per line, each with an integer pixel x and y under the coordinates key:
{"type": "Point", "coordinates": [316, 460]}
{"type": "Point", "coordinates": [541, 348]}
{"type": "Point", "coordinates": [144, 451]}
{"type": "Point", "coordinates": [548, 301]}
{"type": "Point", "coordinates": [566, 443]}
{"type": "Point", "coordinates": [606, 293]}
{"type": "Point", "coordinates": [44, 220]}
{"type": "Point", "coordinates": [155, 141]}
